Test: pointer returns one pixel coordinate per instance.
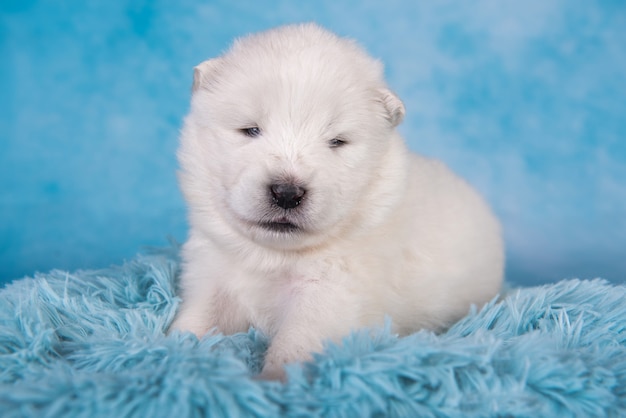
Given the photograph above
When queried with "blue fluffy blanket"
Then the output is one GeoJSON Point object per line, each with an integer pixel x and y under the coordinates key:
{"type": "Point", "coordinates": [92, 344]}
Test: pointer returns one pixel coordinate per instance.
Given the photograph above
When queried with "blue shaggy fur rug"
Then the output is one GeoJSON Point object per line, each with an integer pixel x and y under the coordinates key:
{"type": "Point", "coordinates": [92, 344]}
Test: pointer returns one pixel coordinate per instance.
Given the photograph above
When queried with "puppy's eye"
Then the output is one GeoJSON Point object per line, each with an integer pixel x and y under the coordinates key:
{"type": "Point", "coordinates": [252, 131]}
{"type": "Point", "coordinates": [336, 143]}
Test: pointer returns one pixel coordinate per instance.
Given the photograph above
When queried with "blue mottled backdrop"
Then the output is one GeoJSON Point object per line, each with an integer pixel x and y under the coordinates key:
{"type": "Point", "coordinates": [526, 99]}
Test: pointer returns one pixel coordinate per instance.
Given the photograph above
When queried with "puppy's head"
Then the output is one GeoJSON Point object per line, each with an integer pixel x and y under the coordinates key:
{"type": "Point", "coordinates": [285, 137]}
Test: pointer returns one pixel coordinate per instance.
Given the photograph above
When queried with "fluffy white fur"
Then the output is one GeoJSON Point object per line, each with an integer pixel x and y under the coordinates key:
{"type": "Point", "coordinates": [379, 231]}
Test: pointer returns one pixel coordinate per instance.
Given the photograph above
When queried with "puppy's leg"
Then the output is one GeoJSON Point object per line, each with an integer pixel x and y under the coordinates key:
{"type": "Point", "coordinates": [314, 312]}
{"type": "Point", "coordinates": [199, 292]}
{"type": "Point", "coordinates": [196, 312]}
{"type": "Point", "coordinates": [208, 305]}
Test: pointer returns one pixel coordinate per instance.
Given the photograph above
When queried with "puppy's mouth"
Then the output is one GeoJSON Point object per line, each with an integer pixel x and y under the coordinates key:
{"type": "Point", "coordinates": [281, 225]}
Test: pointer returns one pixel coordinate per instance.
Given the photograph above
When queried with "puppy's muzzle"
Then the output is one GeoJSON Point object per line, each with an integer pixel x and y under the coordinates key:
{"type": "Point", "coordinates": [286, 195]}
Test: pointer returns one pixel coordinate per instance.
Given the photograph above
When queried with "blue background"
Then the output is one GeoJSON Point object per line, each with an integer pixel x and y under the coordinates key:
{"type": "Point", "coordinates": [526, 99]}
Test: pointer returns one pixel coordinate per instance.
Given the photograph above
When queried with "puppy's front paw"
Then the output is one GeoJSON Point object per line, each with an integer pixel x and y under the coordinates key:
{"type": "Point", "coordinates": [277, 356]}
{"type": "Point", "coordinates": [273, 372]}
{"type": "Point", "coordinates": [188, 323]}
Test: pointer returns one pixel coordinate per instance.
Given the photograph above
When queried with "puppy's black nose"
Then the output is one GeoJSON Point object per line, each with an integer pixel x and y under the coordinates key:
{"type": "Point", "coordinates": [287, 195]}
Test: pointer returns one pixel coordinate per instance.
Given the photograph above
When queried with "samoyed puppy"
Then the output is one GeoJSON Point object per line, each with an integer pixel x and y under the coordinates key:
{"type": "Point", "coordinates": [309, 218]}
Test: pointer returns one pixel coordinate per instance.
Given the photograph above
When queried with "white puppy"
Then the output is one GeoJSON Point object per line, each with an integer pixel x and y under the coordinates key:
{"type": "Point", "coordinates": [309, 217]}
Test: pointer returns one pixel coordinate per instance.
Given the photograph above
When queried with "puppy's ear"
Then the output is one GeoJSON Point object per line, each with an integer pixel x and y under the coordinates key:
{"type": "Point", "coordinates": [203, 72]}
{"type": "Point", "coordinates": [393, 106]}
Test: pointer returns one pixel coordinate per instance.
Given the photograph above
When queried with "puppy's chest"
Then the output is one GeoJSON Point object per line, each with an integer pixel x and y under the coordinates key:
{"type": "Point", "coordinates": [267, 293]}
{"type": "Point", "coordinates": [284, 282]}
